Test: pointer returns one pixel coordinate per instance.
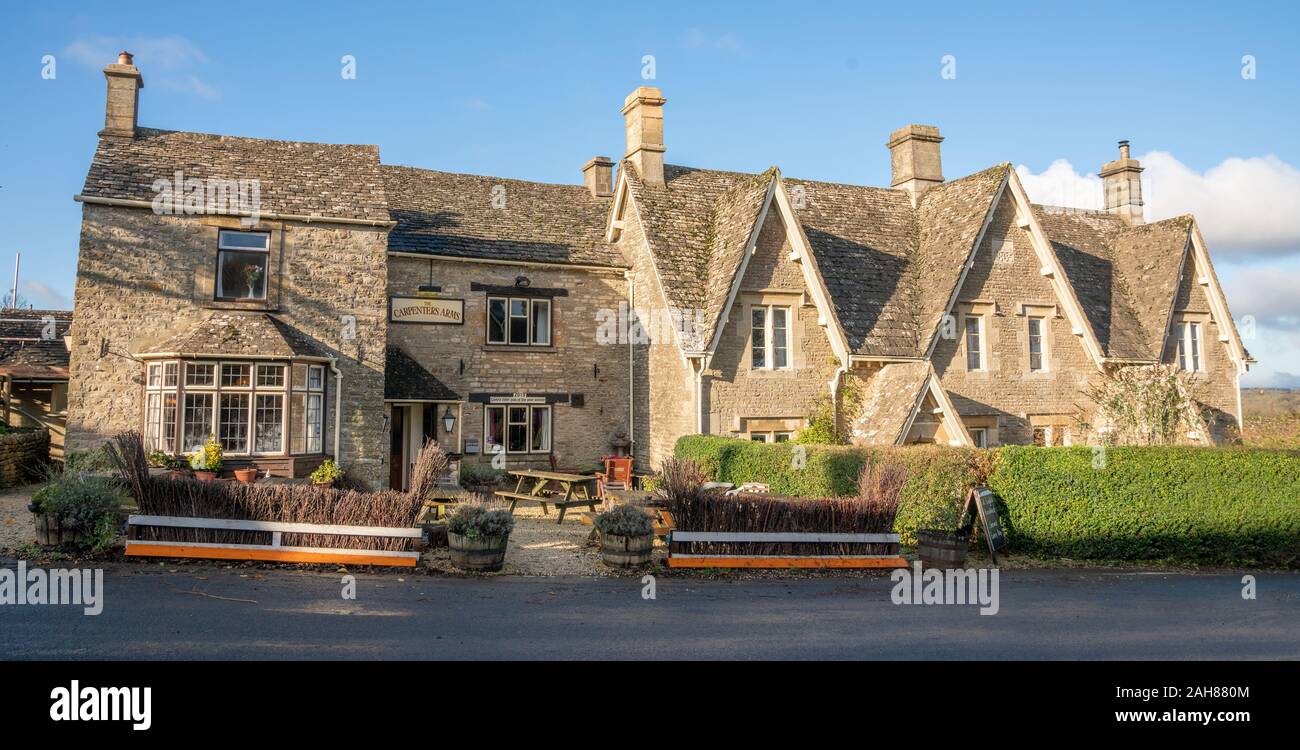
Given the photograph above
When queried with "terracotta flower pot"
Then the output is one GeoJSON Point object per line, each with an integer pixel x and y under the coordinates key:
{"type": "Point", "coordinates": [247, 476]}
{"type": "Point", "coordinates": [205, 476]}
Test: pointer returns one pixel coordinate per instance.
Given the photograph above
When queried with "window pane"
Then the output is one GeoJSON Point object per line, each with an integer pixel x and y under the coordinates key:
{"type": "Point", "coordinates": [517, 429]}
{"type": "Point", "coordinates": [243, 240]}
{"type": "Point", "coordinates": [299, 377]}
{"type": "Point", "coordinates": [198, 421]}
{"type": "Point", "coordinates": [197, 374]}
{"type": "Point", "coordinates": [519, 321]}
{"type": "Point", "coordinates": [270, 376]}
{"type": "Point", "coordinates": [155, 376]}
{"type": "Point", "coordinates": [167, 435]}
{"type": "Point", "coordinates": [973, 360]}
{"type": "Point", "coordinates": [1194, 344]}
{"type": "Point", "coordinates": [758, 336]}
{"type": "Point", "coordinates": [268, 423]}
{"type": "Point", "coordinates": [758, 437]}
{"type": "Point", "coordinates": [541, 428]}
{"type": "Point", "coordinates": [781, 437]}
{"type": "Point", "coordinates": [496, 426]}
{"type": "Point", "coordinates": [1035, 343]}
{"type": "Point", "coordinates": [541, 321]}
{"type": "Point", "coordinates": [152, 414]}
{"type": "Point", "coordinates": [297, 422]}
{"type": "Point", "coordinates": [315, 422]}
{"type": "Point", "coordinates": [232, 430]}
{"type": "Point", "coordinates": [496, 321]}
{"type": "Point", "coordinates": [780, 337]}
{"type": "Point", "coordinates": [241, 275]}
{"type": "Point", "coordinates": [170, 374]}
{"type": "Point", "coordinates": [235, 376]}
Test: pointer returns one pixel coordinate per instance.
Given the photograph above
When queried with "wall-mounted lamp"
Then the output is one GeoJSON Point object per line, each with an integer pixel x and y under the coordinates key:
{"type": "Point", "coordinates": [521, 281]}
{"type": "Point", "coordinates": [448, 419]}
{"type": "Point", "coordinates": [595, 371]}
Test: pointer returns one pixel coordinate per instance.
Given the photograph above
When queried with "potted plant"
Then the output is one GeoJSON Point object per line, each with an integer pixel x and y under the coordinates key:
{"type": "Point", "coordinates": [938, 548]}
{"type": "Point", "coordinates": [180, 469]}
{"type": "Point", "coordinates": [627, 536]}
{"type": "Point", "coordinates": [247, 474]}
{"type": "Point", "coordinates": [78, 509]}
{"type": "Point", "coordinates": [327, 473]}
{"type": "Point", "coordinates": [477, 537]}
{"type": "Point", "coordinates": [479, 478]}
{"type": "Point", "coordinates": [207, 460]}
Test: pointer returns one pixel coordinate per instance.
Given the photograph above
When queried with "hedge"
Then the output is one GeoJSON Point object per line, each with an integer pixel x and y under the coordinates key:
{"type": "Point", "coordinates": [936, 484]}
{"type": "Point", "coordinates": [1193, 505]}
{"type": "Point", "coordinates": [1227, 506]}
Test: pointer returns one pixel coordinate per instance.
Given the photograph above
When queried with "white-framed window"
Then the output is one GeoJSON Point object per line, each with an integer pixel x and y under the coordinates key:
{"type": "Point", "coordinates": [520, 428]}
{"type": "Point", "coordinates": [1037, 344]}
{"type": "Point", "coordinates": [243, 261]}
{"type": "Point", "coordinates": [249, 407]}
{"type": "Point", "coordinates": [519, 321]}
{"type": "Point", "coordinates": [769, 337]}
{"type": "Point", "coordinates": [974, 342]}
{"type": "Point", "coordinates": [775, 436]}
{"type": "Point", "coordinates": [1189, 347]}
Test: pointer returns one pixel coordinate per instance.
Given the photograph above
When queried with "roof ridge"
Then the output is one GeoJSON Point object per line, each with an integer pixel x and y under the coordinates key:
{"type": "Point", "coordinates": [227, 136]}
{"type": "Point", "coordinates": [575, 186]}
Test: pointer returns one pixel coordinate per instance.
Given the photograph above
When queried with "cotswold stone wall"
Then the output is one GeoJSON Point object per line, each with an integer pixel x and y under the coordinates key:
{"type": "Point", "coordinates": [142, 278]}
{"type": "Point", "coordinates": [22, 453]}
{"type": "Point", "coordinates": [741, 399]}
{"type": "Point", "coordinates": [1216, 384]}
{"type": "Point", "coordinates": [578, 361]}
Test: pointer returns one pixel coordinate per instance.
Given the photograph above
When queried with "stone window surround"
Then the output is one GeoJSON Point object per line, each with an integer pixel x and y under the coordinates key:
{"type": "Point", "coordinates": [1180, 329]}
{"type": "Point", "coordinates": [1053, 425]}
{"type": "Point", "coordinates": [288, 390]}
{"type": "Point", "coordinates": [985, 310]}
{"type": "Point", "coordinates": [205, 276]}
{"type": "Point", "coordinates": [747, 427]}
{"type": "Point", "coordinates": [528, 437]}
{"type": "Point", "coordinates": [793, 301]}
{"type": "Point", "coordinates": [500, 346]}
{"type": "Point", "coordinates": [1048, 312]}
{"type": "Point", "coordinates": [988, 423]}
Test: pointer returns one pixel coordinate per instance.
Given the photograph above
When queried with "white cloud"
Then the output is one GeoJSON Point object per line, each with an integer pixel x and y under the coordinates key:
{"type": "Point", "coordinates": [727, 40]}
{"type": "Point", "coordinates": [1268, 294]}
{"type": "Point", "coordinates": [167, 61]}
{"type": "Point", "coordinates": [44, 297]}
{"type": "Point", "coordinates": [1243, 205]}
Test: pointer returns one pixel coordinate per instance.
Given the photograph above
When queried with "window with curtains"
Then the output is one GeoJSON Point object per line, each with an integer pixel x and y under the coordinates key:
{"type": "Point", "coordinates": [253, 408]}
{"type": "Point", "coordinates": [519, 428]}
{"type": "Point", "coordinates": [519, 321]}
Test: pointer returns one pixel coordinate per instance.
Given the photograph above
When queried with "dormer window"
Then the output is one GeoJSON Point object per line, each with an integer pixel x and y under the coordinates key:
{"type": "Point", "coordinates": [243, 260]}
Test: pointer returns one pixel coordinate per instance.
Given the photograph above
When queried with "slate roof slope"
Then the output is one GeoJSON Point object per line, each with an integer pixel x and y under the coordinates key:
{"type": "Point", "coordinates": [863, 239]}
{"type": "Point", "coordinates": [408, 380]}
{"type": "Point", "coordinates": [888, 399]}
{"type": "Point", "coordinates": [294, 177]}
{"type": "Point", "coordinates": [224, 334]}
{"type": "Point", "coordinates": [1148, 259]}
{"type": "Point", "coordinates": [949, 218]}
{"type": "Point", "coordinates": [25, 352]}
{"type": "Point", "coordinates": [697, 225]}
{"type": "Point", "coordinates": [444, 213]}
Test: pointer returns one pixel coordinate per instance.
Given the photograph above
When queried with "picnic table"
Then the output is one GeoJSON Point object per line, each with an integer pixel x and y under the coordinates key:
{"type": "Point", "coordinates": [532, 487]}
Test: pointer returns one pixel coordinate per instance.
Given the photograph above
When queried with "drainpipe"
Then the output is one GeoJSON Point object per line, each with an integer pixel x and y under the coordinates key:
{"type": "Point", "coordinates": [840, 372]}
{"type": "Point", "coordinates": [699, 395]}
{"type": "Point", "coordinates": [631, 365]}
{"type": "Point", "coordinates": [338, 405]}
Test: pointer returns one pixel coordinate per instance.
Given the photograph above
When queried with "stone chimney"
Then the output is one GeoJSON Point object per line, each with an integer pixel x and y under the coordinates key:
{"type": "Point", "coordinates": [598, 175]}
{"type": "Point", "coordinates": [914, 157]}
{"type": "Point", "coordinates": [1122, 186]}
{"type": "Point", "coordinates": [643, 111]}
{"type": "Point", "coordinates": [124, 84]}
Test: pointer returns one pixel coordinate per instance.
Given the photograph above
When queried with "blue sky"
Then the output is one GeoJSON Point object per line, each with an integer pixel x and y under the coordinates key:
{"type": "Point", "coordinates": [532, 90]}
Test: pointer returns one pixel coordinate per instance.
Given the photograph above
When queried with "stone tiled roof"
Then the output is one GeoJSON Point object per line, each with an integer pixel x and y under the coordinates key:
{"type": "Point", "coordinates": [234, 334]}
{"type": "Point", "coordinates": [697, 225]}
{"type": "Point", "coordinates": [888, 398]}
{"type": "Point", "coordinates": [293, 177]}
{"type": "Point", "coordinates": [443, 213]}
{"type": "Point", "coordinates": [408, 380]}
{"type": "Point", "coordinates": [26, 352]}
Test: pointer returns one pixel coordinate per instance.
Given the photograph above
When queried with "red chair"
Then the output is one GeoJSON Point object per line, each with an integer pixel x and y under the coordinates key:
{"type": "Point", "coordinates": [618, 473]}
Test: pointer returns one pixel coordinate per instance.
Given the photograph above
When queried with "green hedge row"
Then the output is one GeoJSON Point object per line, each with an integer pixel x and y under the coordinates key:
{"type": "Point", "coordinates": [1194, 505]}
{"type": "Point", "coordinates": [1189, 505]}
{"type": "Point", "coordinates": [936, 483]}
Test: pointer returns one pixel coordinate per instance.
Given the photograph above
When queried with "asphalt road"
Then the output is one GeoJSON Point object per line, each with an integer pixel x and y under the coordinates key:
{"type": "Point", "coordinates": [150, 613]}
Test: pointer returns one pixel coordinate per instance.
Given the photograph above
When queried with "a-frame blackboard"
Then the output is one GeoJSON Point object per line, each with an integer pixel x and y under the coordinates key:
{"type": "Point", "coordinates": [982, 502]}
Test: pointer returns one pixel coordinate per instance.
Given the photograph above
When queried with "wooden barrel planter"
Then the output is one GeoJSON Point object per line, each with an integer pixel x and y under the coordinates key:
{"type": "Point", "coordinates": [626, 551]}
{"type": "Point", "coordinates": [51, 532]}
{"type": "Point", "coordinates": [479, 555]}
{"type": "Point", "coordinates": [942, 549]}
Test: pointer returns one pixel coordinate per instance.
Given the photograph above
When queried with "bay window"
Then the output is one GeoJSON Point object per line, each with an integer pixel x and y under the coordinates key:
{"type": "Point", "coordinates": [249, 407]}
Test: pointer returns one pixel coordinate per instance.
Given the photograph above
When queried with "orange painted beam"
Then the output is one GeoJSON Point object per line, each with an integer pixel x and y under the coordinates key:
{"type": "Point", "coordinates": [136, 549]}
{"type": "Point", "coordinates": [786, 562]}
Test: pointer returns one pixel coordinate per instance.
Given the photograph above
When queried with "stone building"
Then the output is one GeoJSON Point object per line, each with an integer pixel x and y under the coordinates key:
{"type": "Point", "coordinates": [34, 371]}
{"type": "Point", "coordinates": [303, 300]}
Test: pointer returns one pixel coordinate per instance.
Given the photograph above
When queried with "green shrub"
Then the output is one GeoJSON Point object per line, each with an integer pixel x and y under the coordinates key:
{"type": "Point", "coordinates": [625, 520]}
{"type": "Point", "coordinates": [159, 460]}
{"type": "Point", "coordinates": [474, 475]}
{"type": "Point", "coordinates": [1178, 504]}
{"type": "Point", "coordinates": [937, 477]}
{"type": "Point", "coordinates": [84, 503]}
{"type": "Point", "coordinates": [96, 459]}
{"type": "Point", "coordinates": [474, 521]}
{"type": "Point", "coordinates": [327, 473]}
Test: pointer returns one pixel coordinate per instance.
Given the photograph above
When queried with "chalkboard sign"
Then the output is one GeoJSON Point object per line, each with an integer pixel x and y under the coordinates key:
{"type": "Point", "coordinates": [983, 502]}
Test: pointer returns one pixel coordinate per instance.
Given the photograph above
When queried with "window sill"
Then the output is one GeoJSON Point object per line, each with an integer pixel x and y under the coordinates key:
{"type": "Point", "coordinates": [232, 304]}
{"type": "Point", "coordinates": [518, 348]}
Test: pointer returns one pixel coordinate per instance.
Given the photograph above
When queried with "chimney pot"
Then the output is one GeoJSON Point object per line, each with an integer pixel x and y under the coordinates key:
{"type": "Point", "coordinates": [598, 176]}
{"type": "Point", "coordinates": [1123, 149]}
{"type": "Point", "coordinates": [643, 112]}
{"type": "Point", "coordinates": [914, 158]}
{"type": "Point", "coordinates": [123, 100]}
